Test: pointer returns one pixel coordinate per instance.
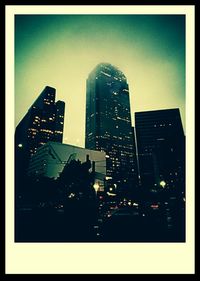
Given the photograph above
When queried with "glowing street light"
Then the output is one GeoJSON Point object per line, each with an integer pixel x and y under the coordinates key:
{"type": "Point", "coordinates": [111, 194]}
{"type": "Point", "coordinates": [163, 184]}
{"type": "Point", "coordinates": [96, 187]}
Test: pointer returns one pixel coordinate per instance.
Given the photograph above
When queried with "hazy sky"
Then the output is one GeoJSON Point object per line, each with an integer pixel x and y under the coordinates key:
{"type": "Point", "coordinates": [61, 50]}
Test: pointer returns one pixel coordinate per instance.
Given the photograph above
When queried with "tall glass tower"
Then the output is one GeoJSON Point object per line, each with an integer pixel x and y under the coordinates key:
{"type": "Point", "coordinates": [108, 122]}
{"type": "Point", "coordinates": [42, 123]}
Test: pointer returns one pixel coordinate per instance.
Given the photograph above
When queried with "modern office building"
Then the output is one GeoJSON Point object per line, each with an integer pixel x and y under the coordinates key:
{"type": "Point", "coordinates": [135, 160]}
{"type": "Point", "coordinates": [108, 122]}
{"type": "Point", "coordinates": [59, 121]}
{"type": "Point", "coordinates": [51, 158]}
{"type": "Point", "coordinates": [43, 122]}
{"type": "Point", "coordinates": [161, 149]}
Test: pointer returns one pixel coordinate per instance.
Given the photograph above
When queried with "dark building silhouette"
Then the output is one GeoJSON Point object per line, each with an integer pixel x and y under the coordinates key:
{"type": "Point", "coordinates": [42, 123]}
{"type": "Point", "coordinates": [135, 163]}
{"type": "Point", "coordinates": [108, 122]}
{"type": "Point", "coordinates": [161, 149]}
{"type": "Point", "coordinates": [59, 121]}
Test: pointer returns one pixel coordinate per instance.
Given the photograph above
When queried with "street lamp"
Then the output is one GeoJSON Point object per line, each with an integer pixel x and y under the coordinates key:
{"type": "Point", "coordinates": [162, 183]}
{"type": "Point", "coordinates": [96, 187]}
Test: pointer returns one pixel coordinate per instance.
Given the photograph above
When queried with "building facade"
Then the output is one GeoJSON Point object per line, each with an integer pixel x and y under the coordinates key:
{"type": "Point", "coordinates": [108, 122]}
{"type": "Point", "coordinates": [59, 121]}
{"type": "Point", "coordinates": [43, 122]}
{"type": "Point", "coordinates": [161, 149]}
{"type": "Point", "coordinates": [51, 158]}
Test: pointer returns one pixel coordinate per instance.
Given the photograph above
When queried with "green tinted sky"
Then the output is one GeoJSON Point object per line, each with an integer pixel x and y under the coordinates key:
{"type": "Point", "coordinates": [60, 51]}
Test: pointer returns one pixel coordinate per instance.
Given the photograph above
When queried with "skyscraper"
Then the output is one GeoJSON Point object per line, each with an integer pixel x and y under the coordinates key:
{"type": "Point", "coordinates": [43, 122]}
{"type": "Point", "coordinates": [161, 149]}
{"type": "Point", "coordinates": [59, 121]}
{"type": "Point", "coordinates": [108, 122]}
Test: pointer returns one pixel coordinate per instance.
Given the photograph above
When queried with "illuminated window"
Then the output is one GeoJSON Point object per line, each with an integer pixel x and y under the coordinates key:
{"type": "Point", "coordinates": [105, 73]}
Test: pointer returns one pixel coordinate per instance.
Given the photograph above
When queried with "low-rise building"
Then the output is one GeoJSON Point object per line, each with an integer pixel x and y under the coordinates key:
{"type": "Point", "coordinates": [51, 158]}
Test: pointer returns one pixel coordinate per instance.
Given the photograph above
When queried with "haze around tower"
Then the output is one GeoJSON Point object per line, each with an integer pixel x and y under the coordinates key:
{"type": "Point", "coordinates": [61, 50]}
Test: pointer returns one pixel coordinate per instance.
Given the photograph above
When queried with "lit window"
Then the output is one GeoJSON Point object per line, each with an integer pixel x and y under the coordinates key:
{"type": "Point", "coordinates": [105, 73]}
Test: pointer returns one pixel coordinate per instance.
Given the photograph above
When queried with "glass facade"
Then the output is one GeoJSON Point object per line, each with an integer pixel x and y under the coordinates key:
{"type": "Point", "coordinates": [43, 122]}
{"type": "Point", "coordinates": [108, 121]}
{"type": "Point", "coordinates": [51, 158]}
{"type": "Point", "coordinates": [161, 148]}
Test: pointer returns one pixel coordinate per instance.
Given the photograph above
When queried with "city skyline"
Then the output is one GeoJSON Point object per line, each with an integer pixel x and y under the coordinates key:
{"type": "Point", "coordinates": [61, 50]}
